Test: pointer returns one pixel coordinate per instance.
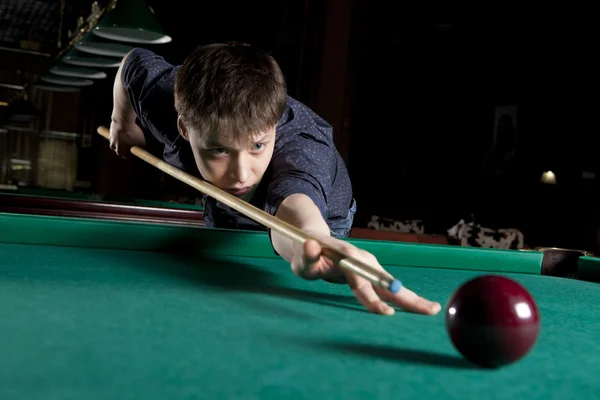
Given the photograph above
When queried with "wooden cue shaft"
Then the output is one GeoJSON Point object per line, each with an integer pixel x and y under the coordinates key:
{"type": "Point", "coordinates": [379, 278]}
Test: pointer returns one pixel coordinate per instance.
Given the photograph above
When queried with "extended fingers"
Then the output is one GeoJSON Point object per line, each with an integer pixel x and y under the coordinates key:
{"type": "Point", "coordinates": [311, 264]}
{"type": "Point", "coordinates": [406, 299]}
{"type": "Point", "coordinates": [410, 301]}
{"type": "Point", "coordinates": [366, 295]}
{"type": "Point", "coordinates": [363, 289]}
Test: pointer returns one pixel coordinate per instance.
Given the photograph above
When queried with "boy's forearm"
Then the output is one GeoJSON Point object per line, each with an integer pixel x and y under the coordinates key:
{"type": "Point", "coordinates": [298, 210]}
{"type": "Point", "coordinates": [122, 108]}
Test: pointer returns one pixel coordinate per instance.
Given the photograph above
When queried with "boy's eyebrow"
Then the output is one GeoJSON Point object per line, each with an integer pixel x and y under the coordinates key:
{"type": "Point", "coordinates": [213, 142]}
{"type": "Point", "coordinates": [261, 138]}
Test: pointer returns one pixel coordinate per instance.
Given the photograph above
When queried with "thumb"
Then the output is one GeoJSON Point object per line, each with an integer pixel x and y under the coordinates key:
{"type": "Point", "coordinates": [306, 262]}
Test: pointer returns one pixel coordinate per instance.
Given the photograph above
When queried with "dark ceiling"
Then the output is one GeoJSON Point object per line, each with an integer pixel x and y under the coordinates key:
{"type": "Point", "coordinates": [32, 20]}
{"type": "Point", "coordinates": [34, 32]}
{"type": "Point", "coordinates": [549, 41]}
{"type": "Point", "coordinates": [45, 25]}
{"type": "Point", "coordinates": [41, 25]}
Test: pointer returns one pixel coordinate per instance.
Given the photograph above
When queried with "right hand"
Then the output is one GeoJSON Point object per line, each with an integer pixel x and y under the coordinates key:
{"type": "Point", "coordinates": [310, 264]}
{"type": "Point", "coordinates": [123, 136]}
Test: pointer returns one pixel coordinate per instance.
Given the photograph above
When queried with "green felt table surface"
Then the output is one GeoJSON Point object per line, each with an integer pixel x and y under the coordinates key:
{"type": "Point", "coordinates": [115, 319]}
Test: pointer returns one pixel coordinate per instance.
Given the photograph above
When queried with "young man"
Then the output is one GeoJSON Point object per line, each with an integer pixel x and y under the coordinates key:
{"type": "Point", "coordinates": [225, 116]}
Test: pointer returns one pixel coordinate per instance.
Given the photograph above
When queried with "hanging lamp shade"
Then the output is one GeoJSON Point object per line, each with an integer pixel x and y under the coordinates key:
{"type": "Point", "coordinates": [92, 44]}
{"type": "Point", "coordinates": [80, 59]}
{"type": "Point", "coordinates": [131, 21]}
{"type": "Point", "coordinates": [77, 72]}
{"type": "Point", "coordinates": [66, 80]}
{"type": "Point", "coordinates": [55, 88]}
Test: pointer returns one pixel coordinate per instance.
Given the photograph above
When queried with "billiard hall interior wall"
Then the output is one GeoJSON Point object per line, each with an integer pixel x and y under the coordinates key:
{"type": "Point", "coordinates": [411, 91]}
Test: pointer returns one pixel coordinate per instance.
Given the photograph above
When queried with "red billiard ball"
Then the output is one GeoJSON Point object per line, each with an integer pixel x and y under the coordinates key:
{"type": "Point", "coordinates": [492, 321]}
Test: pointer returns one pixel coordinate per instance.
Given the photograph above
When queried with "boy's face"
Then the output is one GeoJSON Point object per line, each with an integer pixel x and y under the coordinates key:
{"type": "Point", "coordinates": [235, 166]}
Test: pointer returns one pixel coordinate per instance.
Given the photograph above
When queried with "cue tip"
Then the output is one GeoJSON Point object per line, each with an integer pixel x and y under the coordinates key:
{"type": "Point", "coordinates": [395, 286]}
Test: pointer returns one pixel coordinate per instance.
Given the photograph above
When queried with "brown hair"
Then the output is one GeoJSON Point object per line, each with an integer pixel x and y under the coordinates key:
{"type": "Point", "coordinates": [230, 88]}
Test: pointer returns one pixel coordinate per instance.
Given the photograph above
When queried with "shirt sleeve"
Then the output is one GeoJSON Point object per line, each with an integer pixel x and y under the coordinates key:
{"type": "Point", "coordinates": [146, 77]}
{"type": "Point", "coordinates": [306, 166]}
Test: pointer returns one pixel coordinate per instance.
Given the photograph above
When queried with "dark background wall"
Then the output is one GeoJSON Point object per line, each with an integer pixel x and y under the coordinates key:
{"type": "Point", "coordinates": [411, 90]}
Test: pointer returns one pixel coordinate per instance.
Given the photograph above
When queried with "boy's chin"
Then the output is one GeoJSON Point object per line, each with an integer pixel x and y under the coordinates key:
{"type": "Point", "coordinates": [247, 196]}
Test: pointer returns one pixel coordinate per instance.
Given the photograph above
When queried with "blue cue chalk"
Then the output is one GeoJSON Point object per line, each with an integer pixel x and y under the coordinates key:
{"type": "Point", "coordinates": [395, 286]}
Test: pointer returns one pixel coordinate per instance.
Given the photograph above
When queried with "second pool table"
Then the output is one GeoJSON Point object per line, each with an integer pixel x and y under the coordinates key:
{"type": "Point", "coordinates": [93, 308]}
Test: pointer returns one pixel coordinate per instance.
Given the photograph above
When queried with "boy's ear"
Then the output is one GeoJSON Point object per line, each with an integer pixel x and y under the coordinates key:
{"type": "Point", "coordinates": [182, 128]}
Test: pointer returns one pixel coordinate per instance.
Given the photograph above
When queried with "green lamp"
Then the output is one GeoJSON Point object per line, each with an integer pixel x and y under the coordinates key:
{"type": "Point", "coordinates": [62, 69]}
{"type": "Point", "coordinates": [97, 46]}
{"type": "Point", "coordinates": [131, 21]}
{"type": "Point", "coordinates": [55, 88]}
{"type": "Point", "coordinates": [66, 80]}
{"type": "Point", "coordinates": [80, 59]}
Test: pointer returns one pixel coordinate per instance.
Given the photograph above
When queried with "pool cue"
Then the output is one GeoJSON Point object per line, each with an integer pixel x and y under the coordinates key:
{"type": "Point", "coordinates": [379, 278]}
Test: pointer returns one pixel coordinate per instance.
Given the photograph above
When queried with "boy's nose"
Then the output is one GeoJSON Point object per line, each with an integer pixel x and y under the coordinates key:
{"type": "Point", "coordinates": [241, 170]}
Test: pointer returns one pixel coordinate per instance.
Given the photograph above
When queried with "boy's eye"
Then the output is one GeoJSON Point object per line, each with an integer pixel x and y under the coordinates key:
{"type": "Point", "coordinates": [217, 151]}
{"type": "Point", "coordinates": [259, 146]}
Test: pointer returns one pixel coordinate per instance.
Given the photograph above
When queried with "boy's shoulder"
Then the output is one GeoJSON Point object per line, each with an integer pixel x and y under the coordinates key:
{"type": "Point", "coordinates": [142, 57]}
{"type": "Point", "coordinates": [299, 123]}
{"type": "Point", "coordinates": [149, 80]}
{"type": "Point", "coordinates": [145, 66]}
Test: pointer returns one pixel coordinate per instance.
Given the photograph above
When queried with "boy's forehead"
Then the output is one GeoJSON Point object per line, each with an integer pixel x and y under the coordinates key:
{"type": "Point", "coordinates": [222, 138]}
{"type": "Point", "coordinates": [216, 137]}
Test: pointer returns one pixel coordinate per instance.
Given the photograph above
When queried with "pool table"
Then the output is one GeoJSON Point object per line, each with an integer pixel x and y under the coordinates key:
{"type": "Point", "coordinates": [66, 204]}
{"type": "Point", "coordinates": [105, 308]}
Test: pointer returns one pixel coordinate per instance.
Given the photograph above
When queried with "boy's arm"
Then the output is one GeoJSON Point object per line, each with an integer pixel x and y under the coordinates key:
{"type": "Point", "coordinates": [306, 260]}
{"type": "Point", "coordinates": [298, 210]}
{"type": "Point", "coordinates": [124, 132]}
{"type": "Point", "coordinates": [122, 109]}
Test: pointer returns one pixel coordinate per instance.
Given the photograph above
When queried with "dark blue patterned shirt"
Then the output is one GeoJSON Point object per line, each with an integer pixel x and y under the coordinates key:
{"type": "Point", "coordinates": [304, 160]}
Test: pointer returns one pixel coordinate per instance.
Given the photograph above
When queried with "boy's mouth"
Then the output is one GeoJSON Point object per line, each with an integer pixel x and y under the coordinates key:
{"type": "Point", "coordinates": [238, 191]}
